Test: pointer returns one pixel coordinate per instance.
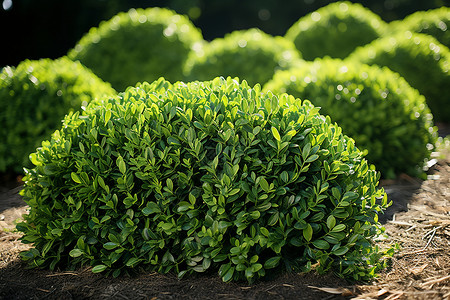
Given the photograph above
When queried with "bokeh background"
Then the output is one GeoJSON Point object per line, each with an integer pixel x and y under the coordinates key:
{"type": "Point", "coordinates": [33, 29]}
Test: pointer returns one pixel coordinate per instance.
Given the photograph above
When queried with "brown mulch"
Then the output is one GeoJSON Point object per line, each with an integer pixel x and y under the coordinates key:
{"type": "Point", "coordinates": [419, 221]}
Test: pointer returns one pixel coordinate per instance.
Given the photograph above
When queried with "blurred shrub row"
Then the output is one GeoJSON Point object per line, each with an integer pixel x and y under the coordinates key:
{"type": "Point", "coordinates": [142, 45]}
{"type": "Point", "coordinates": [52, 27]}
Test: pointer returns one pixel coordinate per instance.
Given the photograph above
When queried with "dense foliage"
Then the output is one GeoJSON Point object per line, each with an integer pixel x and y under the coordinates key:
{"type": "Point", "coordinates": [248, 54]}
{"type": "Point", "coordinates": [335, 30]}
{"type": "Point", "coordinates": [421, 60]}
{"type": "Point", "coordinates": [435, 22]}
{"type": "Point", "coordinates": [140, 45]}
{"type": "Point", "coordinates": [203, 176]}
{"type": "Point", "coordinates": [34, 98]}
{"type": "Point", "coordinates": [375, 106]}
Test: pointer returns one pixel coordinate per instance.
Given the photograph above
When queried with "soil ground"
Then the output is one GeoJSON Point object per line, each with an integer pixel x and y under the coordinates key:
{"type": "Point", "coordinates": [419, 221]}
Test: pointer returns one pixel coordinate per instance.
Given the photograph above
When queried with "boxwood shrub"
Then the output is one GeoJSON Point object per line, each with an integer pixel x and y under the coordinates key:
{"type": "Point", "coordinates": [421, 60]}
{"type": "Point", "coordinates": [139, 45]}
{"type": "Point", "coordinates": [377, 107]}
{"type": "Point", "coordinates": [248, 54]}
{"type": "Point", "coordinates": [335, 30]}
{"type": "Point", "coordinates": [434, 22]}
{"type": "Point", "coordinates": [203, 176]}
{"type": "Point", "coordinates": [34, 98]}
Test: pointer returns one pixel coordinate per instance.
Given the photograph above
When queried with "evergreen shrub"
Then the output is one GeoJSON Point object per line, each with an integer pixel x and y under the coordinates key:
{"type": "Point", "coordinates": [420, 59]}
{"type": "Point", "coordinates": [434, 22]}
{"type": "Point", "coordinates": [248, 54]}
{"type": "Point", "coordinates": [34, 98]}
{"type": "Point", "coordinates": [375, 106]}
{"type": "Point", "coordinates": [335, 30]}
{"type": "Point", "coordinates": [138, 45]}
{"type": "Point", "coordinates": [203, 176]}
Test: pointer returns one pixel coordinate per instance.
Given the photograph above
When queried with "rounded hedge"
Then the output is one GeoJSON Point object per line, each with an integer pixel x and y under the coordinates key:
{"type": "Point", "coordinates": [203, 176]}
{"type": "Point", "coordinates": [335, 30]}
{"type": "Point", "coordinates": [421, 60]}
{"type": "Point", "coordinates": [434, 22]}
{"type": "Point", "coordinates": [375, 106]}
{"type": "Point", "coordinates": [34, 98]}
{"type": "Point", "coordinates": [140, 45]}
{"type": "Point", "coordinates": [248, 54]}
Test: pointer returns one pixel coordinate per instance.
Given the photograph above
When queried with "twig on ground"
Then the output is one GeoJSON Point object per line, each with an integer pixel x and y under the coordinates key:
{"type": "Point", "coordinates": [63, 273]}
{"type": "Point", "coordinates": [434, 281]}
{"type": "Point", "coordinates": [433, 232]}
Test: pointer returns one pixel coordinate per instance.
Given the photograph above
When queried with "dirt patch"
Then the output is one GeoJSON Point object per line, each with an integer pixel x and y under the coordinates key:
{"type": "Point", "coordinates": [419, 221]}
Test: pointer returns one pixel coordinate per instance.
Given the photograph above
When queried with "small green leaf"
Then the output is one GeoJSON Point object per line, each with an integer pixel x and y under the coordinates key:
{"type": "Point", "coordinates": [107, 116]}
{"type": "Point", "coordinates": [306, 149]}
{"type": "Point", "coordinates": [132, 262]}
{"type": "Point", "coordinates": [272, 262]}
{"type": "Point", "coordinates": [264, 231]}
{"type": "Point", "coordinates": [273, 219]}
{"type": "Point", "coordinates": [321, 244]}
{"type": "Point", "coordinates": [308, 232]}
{"type": "Point", "coordinates": [264, 184]}
{"type": "Point", "coordinates": [338, 228]}
{"type": "Point", "coordinates": [340, 251]}
{"type": "Point", "coordinates": [151, 208]}
{"type": "Point", "coordinates": [99, 268]}
{"type": "Point", "coordinates": [121, 164]}
{"type": "Point", "coordinates": [110, 245]}
{"type": "Point", "coordinates": [75, 253]}
{"type": "Point", "coordinates": [167, 226]}
{"type": "Point", "coordinates": [255, 214]}
{"type": "Point", "coordinates": [331, 221]}
{"type": "Point", "coordinates": [228, 275]}
{"type": "Point", "coordinates": [312, 158]}
{"type": "Point", "coordinates": [75, 177]}
{"type": "Point", "coordinates": [284, 176]}
{"type": "Point", "coordinates": [276, 134]}
{"type": "Point", "coordinates": [169, 184]}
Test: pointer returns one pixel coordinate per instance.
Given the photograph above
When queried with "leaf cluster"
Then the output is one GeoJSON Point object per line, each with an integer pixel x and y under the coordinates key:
{"type": "Point", "coordinates": [138, 45]}
{"type": "Point", "coordinates": [248, 54]}
{"type": "Point", "coordinates": [335, 30]}
{"type": "Point", "coordinates": [203, 176]}
{"type": "Point", "coordinates": [420, 59]}
{"type": "Point", "coordinates": [34, 97]}
{"type": "Point", "coordinates": [373, 105]}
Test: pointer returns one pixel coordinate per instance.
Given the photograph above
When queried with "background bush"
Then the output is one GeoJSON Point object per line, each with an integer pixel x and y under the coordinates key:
{"type": "Point", "coordinates": [34, 97]}
{"type": "Point", "coordinates": [434, 22]}
{"type": "Point", "coordinates": [249, 54]}
{"type": "Point", "coordinates": [140, 45]}
{"type": "Point", "coordinates": [421, 60]}
{"type": "Point", "coordinates": [375, 106]}
{"type": "Point", "coordinates": [202, 176]}
{"type": "Point", "coordinates": [335, 30]}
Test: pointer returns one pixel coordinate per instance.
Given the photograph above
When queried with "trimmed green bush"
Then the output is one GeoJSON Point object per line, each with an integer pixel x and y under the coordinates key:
{"type": "Point", "coordinates": [421, 60]}
{"type": "Point", "coordinates": [34, 98]}
{"type": "Point", "coordinates": [335, 30]}
{"type": "Point", "coordinates": [140, 45]}
{"type": "Point", "coordinates": [248, 54]}
{"type": "Point", "coordinates": [203, 176]}
{"type": "Point", "coordinates": [434, 22]}
{"type": "Point", "coordinates": [375, 106]}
